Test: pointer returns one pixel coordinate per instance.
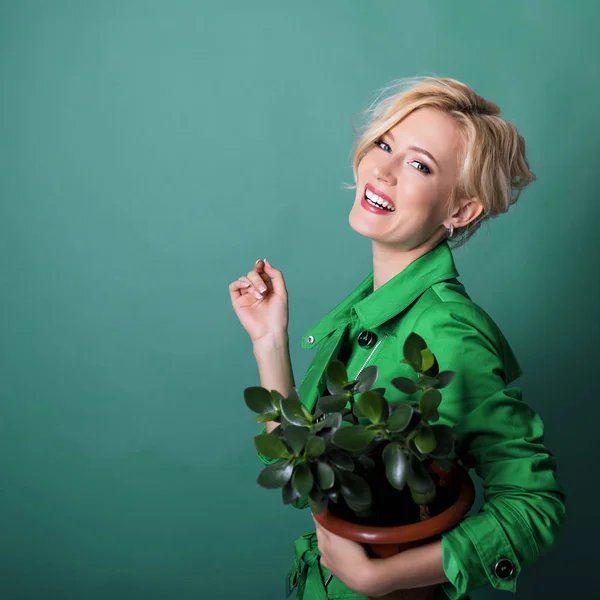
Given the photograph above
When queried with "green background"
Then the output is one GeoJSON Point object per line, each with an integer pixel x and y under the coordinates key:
{"type": "Point", "coordinates": [150, 152]}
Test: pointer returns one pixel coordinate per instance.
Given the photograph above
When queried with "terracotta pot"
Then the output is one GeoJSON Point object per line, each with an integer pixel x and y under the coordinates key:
{"type": "Point", "coordinates": [383, 542]}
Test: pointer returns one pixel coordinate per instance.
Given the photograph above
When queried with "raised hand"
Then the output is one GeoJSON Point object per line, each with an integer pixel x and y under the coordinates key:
{"type": "Point", "coordinates": [260, 301]}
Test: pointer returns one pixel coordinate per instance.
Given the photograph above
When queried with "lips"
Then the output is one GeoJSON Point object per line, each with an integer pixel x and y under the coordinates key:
{"type": "Point", "coordinates": [373, 195]}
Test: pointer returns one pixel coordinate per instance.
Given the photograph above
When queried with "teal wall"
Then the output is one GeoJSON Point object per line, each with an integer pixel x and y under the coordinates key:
{"type": "Point", "coordinates": [150, 152]}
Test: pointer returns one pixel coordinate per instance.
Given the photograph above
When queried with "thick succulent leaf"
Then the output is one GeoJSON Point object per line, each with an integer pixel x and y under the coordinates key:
{"type": "Point", "coordinates": [275, 476]}
{"type": "Point", "coordinates": [277, 398]}
{"type": "Point", "coordinates": [445, 437]}
{"type": "Point", "coordinates": [315, 447]}
{"type": "Point", "coordinates": [355, 489]}
{"type": "Point", "coordinates": [259, 400]}
{"type": "Point", "coordinates": [429, 401]}
{"type": "Point", "coordinates": [373, 406]}
{"type": "Point", "coordinates": [427, 360]}
{"type": "Point", "coordinates": [291, 408]}
{"type": "Point", "coordinates": [317, 501]}
{"type": "Point", "coordinates": [270, 446]}
{"type": "Point", "coordinates": [325, 475]}
{"type": "Point", "coordinates": [302, 479]}
{"type": "Point", "coordinates": [332, 404]}
{"type": "Point", "coordinates": [412, 348]}
{"type": "Point", "coordinates": [333, 421]}
{"type": "Point", "coordinates": [404, 384]}
{"type": "Point", "coordinates": [341, 460]}
{"type": "Point", "coordinates": [334, 493]}
{"type": "Point", "coordinates": [349, 387]}
{"type": "Point", "coordinates": [366, 379]}
{"type": "Point", "coordinates": [337, 376]}
{"type": "Point", "coordinates": [288, 493]}
{"type": "Point", "coordinates": [445, 378]}
{"type": "Point", "coordinates": [296, 438]}
{"type": "Point", "coordinates": [400, 418]}
{"type": "Point", "coordinates": [357, 412]}
{"type": "Point", "coordinates": [418, 477]}
{"type": "Point", "coordinates": [267, 417]}
{"type": "Point", "coordinates": [425, 440]}
{"type": "Point", "coordinates": [366, 461]}
{"type": "Point", "coordinates": [354, 438]}
{"type": "Point", "coordinates": [396, 465]}
{"type": "Point", "coordinates": [425, 381]}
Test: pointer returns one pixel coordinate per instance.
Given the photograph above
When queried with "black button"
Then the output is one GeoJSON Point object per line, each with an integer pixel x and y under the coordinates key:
{"type": "Point", "coordinates": [366, 339]}
{"type": "Point", "coordinates": [504, 568]}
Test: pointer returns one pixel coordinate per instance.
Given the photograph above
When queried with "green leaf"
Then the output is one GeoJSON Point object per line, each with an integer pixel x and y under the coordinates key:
{"type": "Point", "coordinates": [277, 398]}
{"type": "Point", "coordinates": [355, 490]}
{"type": "Point", "coordinates": [373, 406]}
{"type": "Point", "coordinates": [400, 418]}
{"type": "Point", "coordinates": [445, 437]}
{"type": "Point", "coordinates": [306, 413]}
{"type": "Point", "coordinates": [337, 377]}
{"type": "Point", "coordinates": [317, 501]}
{"type": "Point", "coordinates": [267, 417]}
{"type": "Point", "coordinates": [288, 493]}
{"type": "Point", "coordinates": [427, 359]}
{"type": "Point", "coordinates": [366, 379]}
{"type": "Point", "coordinates": [315, 447]}
{"type": "Point", "coordinates": [333, 404]}
{"type": "Point", "coordinates": [325, 475]}
{"type": "Point", "coordinates": [275, 476]}
{"type": "Point", "coordinates": [296, 438]}
{"type": "Point", "coordinates": [366, 461]}
{"type": "Point", "coordinates": [425, 440]}
{"type": "Point", "coordinates": [302, 479]}
{"type": "Point", "coordinates": [429, 401]}
{"type": "Point", "coordinates": [341, 460]}
{"type": "Point", "coordinates": [445, 378]}
{"type": "Point", "coordinates": [291, 408]}
{"type": "Point", "coordinates": [259, 400]}
{"type": "Point", "coordinates": [419, 481]}
{"type": "Point", "coordinates": [412, 348]}
{"type": "Point", "coordinates": [270, 446]}
{"type": "Point", "coordinates": [354, 438]}
{"type": "Point", "coordinates": [404, 384]}
{"type": "Point", "coordinates": [426, 382]}
{"type": "Point", "coordinates": [396, 465]}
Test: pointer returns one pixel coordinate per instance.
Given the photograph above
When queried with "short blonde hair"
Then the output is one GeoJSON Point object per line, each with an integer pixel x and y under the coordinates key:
{"type": "Point", "coordinates": [494, 166]}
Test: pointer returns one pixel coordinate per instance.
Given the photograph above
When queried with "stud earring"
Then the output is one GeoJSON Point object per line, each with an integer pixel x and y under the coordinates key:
{"type": "Point", "coordinates": [450, 231]}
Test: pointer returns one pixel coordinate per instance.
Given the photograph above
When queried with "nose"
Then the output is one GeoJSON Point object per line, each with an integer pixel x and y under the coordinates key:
{"type": "Point", "coordinates": [383, 170]}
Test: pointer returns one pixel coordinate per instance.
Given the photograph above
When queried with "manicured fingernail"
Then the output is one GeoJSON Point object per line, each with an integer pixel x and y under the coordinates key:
{"type": "Point", "coordinates": [262, 289]}
{"type": "Point", "coordinates": [246, 285]}
{"type": "Point", "coordinates": [257, 294]}
{"type": "Point", "coordinates": [258, 261]}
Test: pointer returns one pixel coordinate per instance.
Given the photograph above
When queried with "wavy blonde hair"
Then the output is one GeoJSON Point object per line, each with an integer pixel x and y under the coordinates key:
{"type": "Point", "coordinates": [494, 166]}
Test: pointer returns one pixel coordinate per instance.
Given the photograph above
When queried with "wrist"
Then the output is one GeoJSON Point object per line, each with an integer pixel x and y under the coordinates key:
{"type": "Point", "coordinates": [273, 340]}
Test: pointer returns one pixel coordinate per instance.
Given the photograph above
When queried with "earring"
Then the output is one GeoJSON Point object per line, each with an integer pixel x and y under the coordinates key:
{"type": "Point", "coordinates": [450, 231]}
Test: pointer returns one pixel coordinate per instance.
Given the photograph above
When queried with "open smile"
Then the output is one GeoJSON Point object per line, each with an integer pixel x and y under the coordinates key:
{"type": "Point", "coordinates": [376, 201]}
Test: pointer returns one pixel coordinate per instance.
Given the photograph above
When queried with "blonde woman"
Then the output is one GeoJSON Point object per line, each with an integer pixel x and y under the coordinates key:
{"type": "Point", "coordinates": [435, 162]}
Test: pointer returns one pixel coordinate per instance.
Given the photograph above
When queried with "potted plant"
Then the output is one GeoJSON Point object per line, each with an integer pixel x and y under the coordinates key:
{"type": "Point", "coordinates": [375, 472]}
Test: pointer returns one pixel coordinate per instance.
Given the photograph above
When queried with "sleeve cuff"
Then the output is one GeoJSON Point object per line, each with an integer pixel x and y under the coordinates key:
{"type": "Point", "coordinates": [476, 553]}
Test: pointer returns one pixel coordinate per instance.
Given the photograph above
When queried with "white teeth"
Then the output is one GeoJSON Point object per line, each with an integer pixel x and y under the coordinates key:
{"type": "Point", "coordinates": [375, 200]}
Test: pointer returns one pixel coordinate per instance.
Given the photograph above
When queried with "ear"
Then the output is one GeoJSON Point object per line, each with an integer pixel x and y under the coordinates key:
{"type": "Point", "coordinates": [467, 212]}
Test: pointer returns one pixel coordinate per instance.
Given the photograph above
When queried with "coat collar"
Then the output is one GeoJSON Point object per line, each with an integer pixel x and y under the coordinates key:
{"type": "Point", "coordinates": [373, 308]}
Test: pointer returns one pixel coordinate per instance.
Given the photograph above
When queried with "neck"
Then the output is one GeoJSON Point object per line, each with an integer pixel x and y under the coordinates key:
{"type": "Point", "coordinates": [388, 261]}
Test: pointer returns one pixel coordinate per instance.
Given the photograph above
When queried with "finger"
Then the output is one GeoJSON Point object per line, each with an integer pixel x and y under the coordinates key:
{"type": "Point", "coordinates": [236, 288]}
{"type": "Point", "coordinates": [277, 280]}
{"type": "Point", "coordinates": [257, 281]}
{"type": "Point", "coordinates": [259, 267]}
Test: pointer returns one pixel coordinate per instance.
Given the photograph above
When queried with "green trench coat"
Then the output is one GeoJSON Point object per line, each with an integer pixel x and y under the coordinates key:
{"type": "Point", "coordinates": [498, 435]}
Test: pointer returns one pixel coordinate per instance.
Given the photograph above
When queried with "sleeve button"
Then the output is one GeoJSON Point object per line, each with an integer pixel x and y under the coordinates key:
{"type": "Point", "coordinates": [310, 339]}
{"type": "Point", "coordinates": [504, 568]}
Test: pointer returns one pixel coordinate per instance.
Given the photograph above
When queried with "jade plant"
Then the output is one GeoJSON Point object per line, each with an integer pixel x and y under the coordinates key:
{"type": "Point", "coordinates": [325, 455]}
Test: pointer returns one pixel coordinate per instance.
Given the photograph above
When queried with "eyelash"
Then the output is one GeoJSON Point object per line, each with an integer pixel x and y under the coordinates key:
{"type": "Point", "coordinates": [426, 170]}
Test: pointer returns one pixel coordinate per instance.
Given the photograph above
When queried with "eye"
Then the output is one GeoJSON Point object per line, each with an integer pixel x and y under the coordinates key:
{"type": "Point", "coordinates": [381, 144]}
{"type": "Point", "coordinates": [419, 166]}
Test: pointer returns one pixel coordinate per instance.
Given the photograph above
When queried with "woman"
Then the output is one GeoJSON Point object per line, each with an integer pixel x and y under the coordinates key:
{"type": "Point", "coordinates": [435, 161]}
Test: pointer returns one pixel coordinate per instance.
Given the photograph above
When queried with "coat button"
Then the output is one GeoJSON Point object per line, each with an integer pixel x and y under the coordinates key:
{"type": "Point", "coordinates": [504, 568]}
{"type": "Point", "coordinates": [310, 339]}
{"type": "Point", "coordinates": [366, 339]}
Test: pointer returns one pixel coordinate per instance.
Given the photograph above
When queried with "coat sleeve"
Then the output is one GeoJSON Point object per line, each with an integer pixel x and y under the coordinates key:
{"type": "Point", "coordinates": [502, 438]}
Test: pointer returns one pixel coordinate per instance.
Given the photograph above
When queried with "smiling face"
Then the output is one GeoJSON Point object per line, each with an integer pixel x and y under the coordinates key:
{"type": "Point", "coordinates": [405, 181]}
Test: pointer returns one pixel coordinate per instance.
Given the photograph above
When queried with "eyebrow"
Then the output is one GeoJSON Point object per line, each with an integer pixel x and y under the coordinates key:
{"type": "Point", "coordinates": [416, 149]}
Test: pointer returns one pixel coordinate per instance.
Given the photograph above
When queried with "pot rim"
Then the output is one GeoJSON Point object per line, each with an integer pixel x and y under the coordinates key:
{"type": "Point", "coordinates": [368, 534]}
